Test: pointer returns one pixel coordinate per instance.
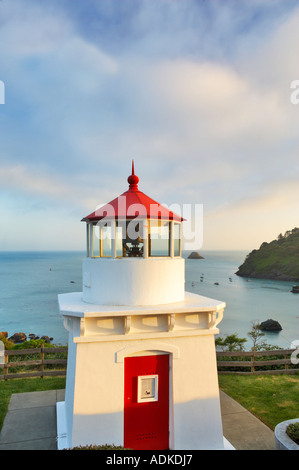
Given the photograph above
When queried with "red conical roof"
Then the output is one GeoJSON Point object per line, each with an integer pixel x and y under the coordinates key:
{"type": "Point", "coordinates": [133, 203]}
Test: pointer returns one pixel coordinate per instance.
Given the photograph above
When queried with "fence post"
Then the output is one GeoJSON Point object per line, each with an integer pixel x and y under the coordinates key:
{"type": "Point", "coordinates": [5, 370]}
{"type": "Point", "coordinates": [42, 356]}
{"type": "Point", "coordinates": [252, 360]}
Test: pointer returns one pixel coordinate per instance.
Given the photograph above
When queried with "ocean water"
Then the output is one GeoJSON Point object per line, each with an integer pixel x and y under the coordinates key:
{"type": "Point", "coordinates": [31, 281]}
{"type": "Point", "coordinates": [29, 285]}
{"type": "Point", "coordinates": [247, 300]}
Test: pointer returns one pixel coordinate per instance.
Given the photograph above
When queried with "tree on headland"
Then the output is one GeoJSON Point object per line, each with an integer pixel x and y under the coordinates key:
{"type": "Point", "coordinates": [256, 334]}
{"type": "Point", "coordinates": [231, 343]}
{"type": "Point", "coordinates": [234, 343]}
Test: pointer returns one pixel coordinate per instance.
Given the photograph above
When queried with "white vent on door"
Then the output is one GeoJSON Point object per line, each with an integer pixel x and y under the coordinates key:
{"type": "Point", "coordinates": [147, 388]}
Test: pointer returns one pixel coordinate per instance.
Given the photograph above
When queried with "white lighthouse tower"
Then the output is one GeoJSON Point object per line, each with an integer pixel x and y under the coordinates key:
{"type": "Point", "coordinates": [142, 369]}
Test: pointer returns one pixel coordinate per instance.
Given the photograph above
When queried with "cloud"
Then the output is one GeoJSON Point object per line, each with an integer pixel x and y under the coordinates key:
{"type": "Point", "coordinates": [278, 196]}
{"type": "Point", "coordinates": [30, 181]}
{"type": "Point", "coordinates": [196, 92]}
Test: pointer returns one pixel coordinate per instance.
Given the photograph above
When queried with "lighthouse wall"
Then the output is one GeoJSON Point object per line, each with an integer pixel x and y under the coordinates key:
{"type": "Point", "coordinates": [194, 405]}
{"type": "Point", "coordinates": [72, 325]}
{"type": "Point", "coordinates": [133, 281]}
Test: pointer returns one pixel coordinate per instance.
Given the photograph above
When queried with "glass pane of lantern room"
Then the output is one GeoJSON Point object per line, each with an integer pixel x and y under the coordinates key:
{"type": "Point", "coordinates": [177, 238]}
{"type": "Point", "coordinates": [159, 240]}
{"type": "Point", "coordinates": [96, 241]}
{"type": "Point", "coordinates": [128, 238]}
{"type": "Point", "coordinates": [106, 241]}
{"type": "Point", "coordinates": [119, 240]}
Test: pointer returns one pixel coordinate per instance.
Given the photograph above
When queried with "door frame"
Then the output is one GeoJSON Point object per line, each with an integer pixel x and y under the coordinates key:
{"type": "Point", "coordinates": [156, 352]}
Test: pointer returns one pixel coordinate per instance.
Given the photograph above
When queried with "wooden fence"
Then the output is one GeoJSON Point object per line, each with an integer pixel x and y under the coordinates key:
{"type": "Point", "coordinates": [241, 362]}
{"type": "Point", "coordinates": [257, 362]}
{"type": "Point", "coordinates": [38, 366]}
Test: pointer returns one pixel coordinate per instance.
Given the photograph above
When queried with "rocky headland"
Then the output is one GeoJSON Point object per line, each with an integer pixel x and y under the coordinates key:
{"type": "Point", "coordinates": [277, 260]}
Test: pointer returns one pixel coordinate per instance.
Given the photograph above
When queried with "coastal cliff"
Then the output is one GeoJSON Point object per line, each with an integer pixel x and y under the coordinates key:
{"type": "Point", "coordinates": [278, 260]}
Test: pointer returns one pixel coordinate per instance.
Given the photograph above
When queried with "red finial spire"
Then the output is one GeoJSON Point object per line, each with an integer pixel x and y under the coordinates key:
{"type": "Point", "coordinates": [133, 180]}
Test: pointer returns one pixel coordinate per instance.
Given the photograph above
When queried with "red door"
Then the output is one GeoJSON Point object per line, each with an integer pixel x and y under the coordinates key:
{"type": "Point", "coordinates": [146, 402]}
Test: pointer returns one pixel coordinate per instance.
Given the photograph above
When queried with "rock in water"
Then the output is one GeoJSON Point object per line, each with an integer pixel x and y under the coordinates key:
{"type": "Point", "coordinates": [195, 255]}
{"type": "Point", "coordinates": [295, 289]}
{"type": "Point", "coordinates": [46, 339]}
{"type": "Point", "coordinates": [18, 338]}
{"type": "Point", "coordinates": [270, 325]}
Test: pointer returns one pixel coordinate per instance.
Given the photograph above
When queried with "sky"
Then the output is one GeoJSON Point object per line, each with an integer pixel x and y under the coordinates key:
{"type": "Point", "coordinates": [197, 92]}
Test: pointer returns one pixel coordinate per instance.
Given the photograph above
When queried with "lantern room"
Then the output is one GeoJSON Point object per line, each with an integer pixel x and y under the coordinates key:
{"type": "Point", "coordinates": [133, 225]}
{"type": "Point", "coordinates": [134, 242]}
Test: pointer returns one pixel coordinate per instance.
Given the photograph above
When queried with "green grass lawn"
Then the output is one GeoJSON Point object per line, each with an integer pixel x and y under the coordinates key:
{"type": "Point", "coordinates": [272, 398]}
{"type": "Point", "coordinates": [26, 385]}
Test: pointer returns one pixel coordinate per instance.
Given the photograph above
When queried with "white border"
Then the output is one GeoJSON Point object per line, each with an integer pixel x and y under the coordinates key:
{"type": "Point", "coordinates": [140, 399]}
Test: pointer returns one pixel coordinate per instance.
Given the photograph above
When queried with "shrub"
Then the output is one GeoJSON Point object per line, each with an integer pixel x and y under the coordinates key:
{"type": "Point", "coordinates": [98, 447]}
{"type": "Point", "coordinates": [7, 344]}
{"type": "Point", "coordinates": [293, 432]}
{"type": "Point", "coordinates": [28, 356]}
{"type": "Point", "coordinates": [32, 344]}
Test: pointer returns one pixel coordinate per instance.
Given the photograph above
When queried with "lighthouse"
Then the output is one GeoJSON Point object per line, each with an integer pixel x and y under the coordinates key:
{"type": "Point", "coordinates": [142, 370]}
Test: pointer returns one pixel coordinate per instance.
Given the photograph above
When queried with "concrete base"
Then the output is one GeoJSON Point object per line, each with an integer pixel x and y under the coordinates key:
{"type": "Point", "coordinates": [282, 440]}
{"type": "Point", "coordinates": [62, 440]}
{"type": "Point", "coordinates": [227, 444]}
{"type": "Point", "coordinates": [27, 424]}
{"type": "Point", "coordinates": [30, 422]}
{"type": "Point", "coordinates": [242, 429]}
